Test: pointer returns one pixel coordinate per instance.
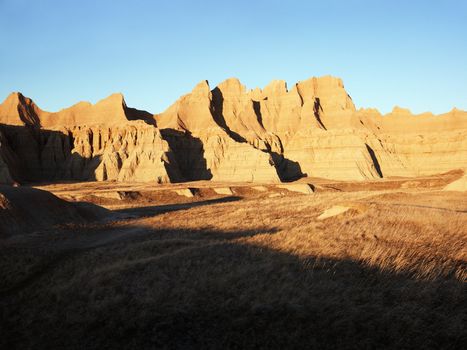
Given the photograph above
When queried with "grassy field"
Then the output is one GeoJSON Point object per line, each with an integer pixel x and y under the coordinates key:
{"type": "Point", "coordinates": [245, 271]}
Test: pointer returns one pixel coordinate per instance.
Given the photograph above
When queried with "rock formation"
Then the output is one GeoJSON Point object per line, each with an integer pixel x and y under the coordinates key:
{"type": "Point", "coordinates": [314, 129]}
{"type": "Point", "coordinates": [205, 147]}
{"type": "Point", "coordinates": [100, 142]}
{"type": "Point", "coordinates": [458, 185]}
{"type": "Point", "coordinates": [228, 133]}
{"type": "Point", "coordinates": [20, 110]}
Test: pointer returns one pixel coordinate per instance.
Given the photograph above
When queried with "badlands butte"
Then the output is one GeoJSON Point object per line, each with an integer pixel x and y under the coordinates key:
{"type": "Point", "coordinates": [228, 133]}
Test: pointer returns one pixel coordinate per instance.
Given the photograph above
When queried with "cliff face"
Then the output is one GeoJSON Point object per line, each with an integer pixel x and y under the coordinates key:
{"type": "Point", "coordinates": [228, 133]}
{"type": "Point", "coordinates": [314, 129]}
{"type": "Point", "coordinates": [134, 152]}
{"type": "Point", "coordinates": [202, 141]}
{"type": "Point", "coordinates": [84, 142]}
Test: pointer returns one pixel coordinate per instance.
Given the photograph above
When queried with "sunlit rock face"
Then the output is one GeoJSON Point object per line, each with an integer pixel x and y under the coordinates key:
{"type": "Point", "coordinates": [228, 133]}
{"type": "Point", "coordinates": [84, 142]}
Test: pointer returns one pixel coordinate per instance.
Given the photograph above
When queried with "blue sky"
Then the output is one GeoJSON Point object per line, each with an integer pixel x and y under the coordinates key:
{"type": "Point", "coordinates": [407, 53]}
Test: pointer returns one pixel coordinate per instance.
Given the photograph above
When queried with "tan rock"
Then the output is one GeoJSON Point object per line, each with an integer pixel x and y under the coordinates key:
{"type": "Point", "coordinates": [202, 141]}
{"type": "Point", "coordinates": [19, 110]}
{"type": "Point", "coordinates": [229, 133]}
{"type": "Point", "coordinates": [298, 187]}
{"type": "Point", "coordinates": [333, 211]}
{"type": "Point", "coordinates": [186, 192]}
{"type": "Point", "coordinates": [223, 190]}
{"type": "Point", "coordinates": [133, 151]}
{"type": "Point", "coordinates": [274, 195]}
{"type": "Point", "coordinates": [458, 185]}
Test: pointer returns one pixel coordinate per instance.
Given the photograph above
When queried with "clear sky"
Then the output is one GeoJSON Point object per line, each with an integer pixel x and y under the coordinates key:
{"type": "Point", "coordinates": [410, 53]}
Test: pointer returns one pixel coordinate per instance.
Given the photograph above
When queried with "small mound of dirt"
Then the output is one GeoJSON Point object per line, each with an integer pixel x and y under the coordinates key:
{"type": "Point", "coordinates": [25, 209]}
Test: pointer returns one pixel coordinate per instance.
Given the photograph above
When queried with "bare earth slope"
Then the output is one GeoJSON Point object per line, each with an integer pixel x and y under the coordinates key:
{"type": "Point", "coordinates": [24, 210]}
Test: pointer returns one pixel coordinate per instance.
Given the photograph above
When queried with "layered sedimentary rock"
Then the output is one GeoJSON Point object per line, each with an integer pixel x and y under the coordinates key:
{"type": "Point", "coordinates": [134, 152]}
{"type": "Point", "coordinates": [308, 130]}
{"type": "Point", "coordinates": [84, 142]}
{"type": "Point", "coordinates": [228, 133]}
{"type": "Point", "coordinates": [314, 129]}
{"type": "Point", "coordinates": [205, 148]}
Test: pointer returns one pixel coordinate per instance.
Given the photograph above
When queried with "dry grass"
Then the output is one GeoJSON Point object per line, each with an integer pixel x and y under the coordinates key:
{"type": "Point", "coordinates": [252, 273]}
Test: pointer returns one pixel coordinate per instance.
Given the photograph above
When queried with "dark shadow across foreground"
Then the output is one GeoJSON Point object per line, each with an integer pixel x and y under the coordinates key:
{"type": "Point", "coordinates": [198, 289]}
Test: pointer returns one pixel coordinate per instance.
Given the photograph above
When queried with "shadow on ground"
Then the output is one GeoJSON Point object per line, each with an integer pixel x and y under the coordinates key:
{"type": "Point", "coordinates": [182, 289]}
{"type": "Point", "coordinates": [165, 208]}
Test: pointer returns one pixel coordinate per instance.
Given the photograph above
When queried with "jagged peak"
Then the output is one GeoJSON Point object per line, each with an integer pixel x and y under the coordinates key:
{"type": "Point", "coordinates": [232, 86]}
{"type": "Point", "coordinates": [17, 97]}
{"type": "Point", "coordinates": [256, 94]}
{"type": "Point", "coordinates": [332, 80]}
{"type": "Point", "coordinates": [201, 89]}
{"type": "Point", "coordinates": [116, 98]}
{"type": "Point", "coordinates": [275, 87]}
{"type": "Point", "coordinates": [325, 80]}
{"type": "Point", "coordinates": [330, 91]}
{"type": "Point", "coordinates": [19, 110]}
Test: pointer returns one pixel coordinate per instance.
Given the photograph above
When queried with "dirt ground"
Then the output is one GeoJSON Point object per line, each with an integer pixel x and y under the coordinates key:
{"type": "Point", "coordinates": [219, 265]}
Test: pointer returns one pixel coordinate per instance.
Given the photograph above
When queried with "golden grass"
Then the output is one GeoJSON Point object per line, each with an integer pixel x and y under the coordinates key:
{"type": "Point", "coordinates": [254, 273]}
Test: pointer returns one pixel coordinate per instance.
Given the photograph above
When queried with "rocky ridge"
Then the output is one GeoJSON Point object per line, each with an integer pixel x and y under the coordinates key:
{"type": "Point", "coordinates": [228, 133]}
